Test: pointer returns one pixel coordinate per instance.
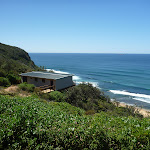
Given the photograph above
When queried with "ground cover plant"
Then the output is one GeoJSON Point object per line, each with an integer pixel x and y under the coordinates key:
{"type": "Point", "coordinates": [31, 123]}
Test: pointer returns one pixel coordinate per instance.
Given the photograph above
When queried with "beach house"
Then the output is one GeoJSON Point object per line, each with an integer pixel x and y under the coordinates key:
{"type": "Point", "coordinates": [45, 80]}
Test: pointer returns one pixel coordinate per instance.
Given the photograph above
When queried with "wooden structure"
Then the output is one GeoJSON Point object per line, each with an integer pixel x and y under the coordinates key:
{"type": "Point", "coordinates": [48, 80]}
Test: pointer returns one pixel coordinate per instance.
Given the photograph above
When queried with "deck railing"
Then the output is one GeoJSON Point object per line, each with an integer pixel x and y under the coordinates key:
{"type": "Point", "coordinates": [47, 87]}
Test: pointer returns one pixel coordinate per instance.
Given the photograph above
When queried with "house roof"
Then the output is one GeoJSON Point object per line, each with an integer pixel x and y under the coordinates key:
{"type": "Point", "coordinates": [45, 75]}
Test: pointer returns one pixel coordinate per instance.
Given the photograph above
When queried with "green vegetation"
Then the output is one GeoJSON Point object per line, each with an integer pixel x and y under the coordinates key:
{"type": "Point", "coordinates": [30, 123]}
{"type": "Point", "coordinates": [81, 117]}
{"type": "Point", "coordinates": [27, 87]}
{"type": "Point", "coordinates": [89, 98]}
{"type": "Point", "coordinates": [57, 96]}
{"type": "Point", "coordinates": [14, 79]}
{"type": "Point", "coordinates": [4, 81]}
{"type": "Point", "coordinates": [14, 61]}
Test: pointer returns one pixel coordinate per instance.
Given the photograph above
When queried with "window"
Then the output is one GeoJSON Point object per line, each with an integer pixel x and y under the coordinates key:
{"type": "Point", "coordinates": [51, 82]}
{"type": "Point", "coordinates": [43, 80]}
{"type": "Point", "coordinates": [36, 79]}
{"type": "Point", "coordinates": [24, 79]}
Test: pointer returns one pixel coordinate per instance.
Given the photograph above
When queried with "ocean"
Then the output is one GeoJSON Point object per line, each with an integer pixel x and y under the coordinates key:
{"type": "Point", "coordinates": [123, 77]}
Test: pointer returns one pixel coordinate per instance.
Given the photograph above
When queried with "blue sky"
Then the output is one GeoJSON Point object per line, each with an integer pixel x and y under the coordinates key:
{"type": "Point", "coordinates": [76, 26]}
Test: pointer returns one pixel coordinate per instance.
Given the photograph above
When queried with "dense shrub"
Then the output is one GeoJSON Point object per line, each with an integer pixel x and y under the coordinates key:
{"type": "Point", "coordinates": [83, 92]}
{"type": "Point", "coordinates": [14, 79]}
{"type": "Point", "coordinates": [4, 82]}
{"type": "Point", "coordinates": [28, 123]}
{"type": "Point", "coordinates": [2, 73]}
{"type": "Point", "coordinates": [27, 87]}
{"type": "Point", "coordinates": [85, 96]}
{"type": "Point", "coordinates": [93, 103]}
{"type": "Point", "coordinates": [90, 112]}
{"type": "Point", "coordinates": [37, 90]}
{"type": "Point", "coordinates": [90, 98]}
{"type": "Point", "coordinates": [56, 96]}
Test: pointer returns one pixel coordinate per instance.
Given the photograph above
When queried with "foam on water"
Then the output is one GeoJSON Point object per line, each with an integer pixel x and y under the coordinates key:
{"type": "Point", "coordinates": [95, 84]}
{"type": "Point", "coordinates": [130, 94]}
{"type": "Point", "coordinates": [146, 100]}
{"type": "Point", "coordinates": [57, 71]}
{"type": "Point", "coordinates": [76, 78]}
{"type": "Point", "coordinates": [136, 96]}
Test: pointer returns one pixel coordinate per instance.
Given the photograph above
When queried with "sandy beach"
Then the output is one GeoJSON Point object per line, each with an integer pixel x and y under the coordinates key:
{"type": "Point", "coordinates": [144, 112]}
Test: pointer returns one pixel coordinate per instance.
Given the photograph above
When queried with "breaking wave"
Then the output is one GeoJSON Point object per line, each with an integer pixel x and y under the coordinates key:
{"type": "Point", "coordinates": [56, 71]}
{"type": "Point", "coordinates": [95, 84]}
{"type": "Point", "coordinates": [136, 96]}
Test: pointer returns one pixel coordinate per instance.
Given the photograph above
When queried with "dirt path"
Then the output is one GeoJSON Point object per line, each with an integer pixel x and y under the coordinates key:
{"type": "Point", "coordinates": [11, 89]}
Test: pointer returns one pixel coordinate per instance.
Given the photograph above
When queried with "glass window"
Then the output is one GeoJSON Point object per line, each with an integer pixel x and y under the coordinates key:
{"type": "Point", "coordinates": [52, 83]}
{"type": "Point", "coordinates": [36, 79]}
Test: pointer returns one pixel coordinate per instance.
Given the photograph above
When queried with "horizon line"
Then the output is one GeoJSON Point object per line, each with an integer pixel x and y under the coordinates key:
{"type": "Point", "coordinates": [92, 53]}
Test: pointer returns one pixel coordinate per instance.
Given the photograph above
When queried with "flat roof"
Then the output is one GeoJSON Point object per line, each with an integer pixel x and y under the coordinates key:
{"type": "Point", "coordinates": [45, 75]}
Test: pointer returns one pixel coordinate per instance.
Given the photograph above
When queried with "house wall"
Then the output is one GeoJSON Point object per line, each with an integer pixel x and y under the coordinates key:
{"type": "Point", "coordinates": [31, 80]}
{"type": "Point", "coordinates": [59, 83]}
{"type": "Point", "coordinates": [64, 83]}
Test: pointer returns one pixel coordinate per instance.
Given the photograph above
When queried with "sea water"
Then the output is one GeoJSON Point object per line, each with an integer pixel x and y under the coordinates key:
{"type": "Point", "coordinates": [124, 77]}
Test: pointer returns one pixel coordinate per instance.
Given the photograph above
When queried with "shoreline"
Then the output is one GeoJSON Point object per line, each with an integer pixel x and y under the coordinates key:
{"type": "Point", "coordinates": [142, 111]}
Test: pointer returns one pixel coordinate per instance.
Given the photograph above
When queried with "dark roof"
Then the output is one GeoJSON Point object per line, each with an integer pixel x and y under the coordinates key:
{"type": "Point", "coordinates": [45, 75]}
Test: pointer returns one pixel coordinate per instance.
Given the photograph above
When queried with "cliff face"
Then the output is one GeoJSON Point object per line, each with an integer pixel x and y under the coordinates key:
{"type": "Point", "coordinates": [14, 59]}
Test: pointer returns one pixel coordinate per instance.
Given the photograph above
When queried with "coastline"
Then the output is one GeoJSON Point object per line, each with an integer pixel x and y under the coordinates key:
{"type": "Point", "coordinates": [142, 111]}
{"type": "Point", "coordinates": [105, 73]}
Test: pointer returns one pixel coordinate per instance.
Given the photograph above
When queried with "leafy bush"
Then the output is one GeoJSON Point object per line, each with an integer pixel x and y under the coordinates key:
{"type": "Point", "coordinates": [4, 82]}
{"type": "Point", "coordinates": [27, 87]}
{"type": "Point", "coordinates": [85, 96]}
{"type": "Point", "coordinates": [83, 92]}
{"type": "Point", "coordinates": [90, 112]}
{"type": "Point", "coordinates": [56, 96]}
{"type": "Point", "coordinates": [2, 73]}
{"type": "Point", "coordinates": [90, 98]}
{"type": "Point", "coordinates": [37, 90]}
{"type": "Point", "coordinates": [14, 79]}
{"type": "Point", "coordinates": [30, 123]}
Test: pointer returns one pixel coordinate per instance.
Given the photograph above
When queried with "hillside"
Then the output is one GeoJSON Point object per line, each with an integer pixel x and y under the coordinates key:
{"type": "Point", "coordinates": [15, 57]}
{"type": "Point", "coordinates": [31, 123]}
{"type": "Point", "coordinates": [14, 60]}
{"type": "Point", "coordinates": [80, 117]}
